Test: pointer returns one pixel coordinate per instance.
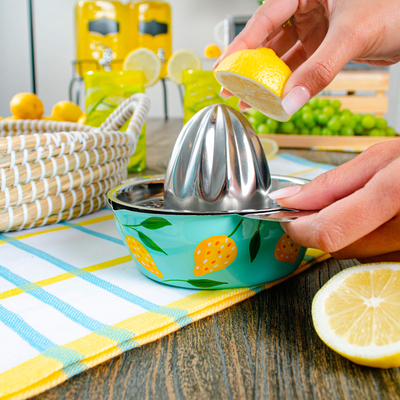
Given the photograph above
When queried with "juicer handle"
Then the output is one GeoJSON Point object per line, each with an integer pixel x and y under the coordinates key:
{"type": "Point", "coordinates": [135, 108]}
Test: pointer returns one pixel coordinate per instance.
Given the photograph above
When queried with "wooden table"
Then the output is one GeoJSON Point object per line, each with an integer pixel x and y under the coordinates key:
{"type": "Point", "coordinates": [262, 348]}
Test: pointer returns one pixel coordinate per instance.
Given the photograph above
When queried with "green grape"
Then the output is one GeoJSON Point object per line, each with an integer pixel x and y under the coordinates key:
{"type": "Point", "coordinates": [314, 102]}
{"type": "Point", "coordinates": [262, 128]}
{"type": "Point", "coordinates": [346, 112]}
{"type": "Point", "coordinates": [316, 130]}
{"type": "Point", "coordinates": [299, 123]}
{"type": "Point", "coordinates": [359, 130]}
{"type": "Point", "coordinates": [346, 119]}
{"type": "Point", "coordinates": [305, 131]}
{"type": "Point", "coordinates": [329, 111]}
{"type": "Point", "coordinates": [376, 132]}
{"type": "Point", "coordinates": [308, 119]}
{"type": "Point", "coordinates": [306, 109]}
{"type": "Point", "coordinates": [326, 132]}
{"type": "Point", "coordinates": [257, 115]}
{"type": "Point", "coordinates": [316, 112]}
{"type": "Point", "coordinates": [334, 124]}
{"type": "Point", "coordinates": [296, 115]}
{"type": "Point", "coordinates": [381, 123]}
{"type": "Point", "coordinates": [324, 103]}
{"type": "Point", "coordinates": [347, 131]}
{"type": "Point", "coordinates": [272, 125]}
{"type": "Point", "coordinates": [357, 117]}
{"type": "Point", "coordinates": [252, 120]}
{"type": "Point", "coordinates": [390, 131]}
{"type": "Point", "coordinates": [336, 104]}
{"type": "Point", "coordinates": [287, 127]}
{"type": "Point", "coordinates": [296, 131]}
{"type": "Point", "coordinates": [323, 119]}
{"type": "Point", "coordinates": [368, 121]}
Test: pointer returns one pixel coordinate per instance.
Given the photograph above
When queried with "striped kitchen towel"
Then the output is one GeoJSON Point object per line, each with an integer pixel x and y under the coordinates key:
{"type": "Point", "coordinates": [71, 297]}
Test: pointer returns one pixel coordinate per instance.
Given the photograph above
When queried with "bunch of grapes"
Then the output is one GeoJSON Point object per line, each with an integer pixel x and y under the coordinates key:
{"type": "Point", "coordinates": [322, 117]}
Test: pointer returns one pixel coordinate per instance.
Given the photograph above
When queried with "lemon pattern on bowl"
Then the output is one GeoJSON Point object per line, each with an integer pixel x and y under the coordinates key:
{"type": "Point", "coordinates": [286, 249]}
{"type": "Point", "coordinates": [142, 256]}
{"type": "Point", "coordinates": [214, 254]}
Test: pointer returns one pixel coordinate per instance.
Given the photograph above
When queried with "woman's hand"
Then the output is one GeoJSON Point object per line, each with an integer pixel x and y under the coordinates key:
{"type": "Point", "coordinates": [360, 207]}
{"type": "Point", "coordinates": [326, 35]}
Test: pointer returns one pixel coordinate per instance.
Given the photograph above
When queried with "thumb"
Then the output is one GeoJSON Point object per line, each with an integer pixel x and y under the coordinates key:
{"type": "Point", "coordinates": [318, 71]}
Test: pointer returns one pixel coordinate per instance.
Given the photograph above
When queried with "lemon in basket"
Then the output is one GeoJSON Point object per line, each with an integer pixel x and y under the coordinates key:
{"type": "Point", "coordinates": [66, 111]}
{"type": "Point", "coordinates": [256, 76]}
{"type": "Point", "coordinates": [182, 60]}
{"type": "Point", "coordinates": [357, 314]}
{"type": "Point", "coordinates": [144, 60]}
{"type": "Point", "coordinates": [26, 106]}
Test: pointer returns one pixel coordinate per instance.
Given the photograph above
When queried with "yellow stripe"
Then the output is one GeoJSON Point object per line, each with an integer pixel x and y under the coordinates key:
{"type": "Point", "coordinates": [62, 228]}
{"type": "Point", "coordinates": [304, 171]}
{"type": "Point", "coordinates": [67, 275]}
{"type": "Point", "coordinates": [96, 220]}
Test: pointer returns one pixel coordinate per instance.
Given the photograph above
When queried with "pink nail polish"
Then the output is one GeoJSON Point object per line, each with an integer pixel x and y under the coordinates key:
{"type": "Point", "coordinates": [223, 94]}
{"type": "Point", "coordinates": [286, 192]}
{"type": "Point", "coordinates": [295, 99]}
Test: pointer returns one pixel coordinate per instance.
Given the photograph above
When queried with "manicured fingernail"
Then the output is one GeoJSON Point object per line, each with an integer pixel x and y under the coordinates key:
{"type": "Point", "coordinates": [243, 106]}
{"type": "Point", "coordinates": [223, 93]}
{"type": "Point", "coordinates": [286, 192]}
{"type": "Point", "coordinates": [295, 99]}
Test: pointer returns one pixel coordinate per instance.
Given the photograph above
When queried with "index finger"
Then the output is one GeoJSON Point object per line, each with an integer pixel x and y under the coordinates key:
{"type": "Point", "coordinates": [270, 15]}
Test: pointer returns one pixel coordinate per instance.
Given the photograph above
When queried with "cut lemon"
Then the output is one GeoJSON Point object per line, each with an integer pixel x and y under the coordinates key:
{"type": "Point", "coordinates": [144, 60]}
{"type": "Point", "coordinates": [270, 147]}
{"type": "Point", "coordinates": [182, 60]}
{"type": "Point", "coordinates": [357, 314]}
{"type": "Point", "coordinates": [257, 77]}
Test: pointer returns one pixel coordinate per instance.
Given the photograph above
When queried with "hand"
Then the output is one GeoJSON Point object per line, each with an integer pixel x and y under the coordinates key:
{"type": "Point", "coordinates": [326, 35]}
{"type": "Point", "coordinates": [360, 207]}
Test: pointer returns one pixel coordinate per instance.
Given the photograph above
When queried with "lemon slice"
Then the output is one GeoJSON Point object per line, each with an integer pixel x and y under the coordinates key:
{"type": "Point", "coordinates": [357, 314]}
{"type": "Point", "coordinates": [182, 60]}
{"type": "Point", "coordinates": [144, 60]}
{"type": "Point", "coordinates": [257, 77]}
{"type": "Point", "coordinates": [270, 147]}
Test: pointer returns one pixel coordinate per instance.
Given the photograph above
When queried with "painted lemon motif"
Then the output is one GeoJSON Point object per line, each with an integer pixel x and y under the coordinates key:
{"type": "Point", "coordinates": [142, 256]}
{"type": "Point", "coordinates": [286, 250]}
{"type": "Point", "coordinates": [214, 254]}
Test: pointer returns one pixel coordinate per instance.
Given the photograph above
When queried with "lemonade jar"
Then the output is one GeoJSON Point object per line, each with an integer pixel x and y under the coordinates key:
{"type": "Point", "coordinates": [202, 90]}
{"type": "Point", "coordinates": [105, 91]}
{"type": "Point", "coordinates": [149, 25]}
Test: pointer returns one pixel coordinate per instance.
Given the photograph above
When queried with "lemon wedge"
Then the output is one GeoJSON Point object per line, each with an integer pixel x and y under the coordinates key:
{"type": "Point", "coordinates": [270, 147]}
{"type": "Point", "coordinates": [357, 314]}
{"type": "Point", "coordinates": [256, 76]}
{"type": "Point", "coordinates": [182, 60]}
{"type": "Point", "coordinates": [144, 60]}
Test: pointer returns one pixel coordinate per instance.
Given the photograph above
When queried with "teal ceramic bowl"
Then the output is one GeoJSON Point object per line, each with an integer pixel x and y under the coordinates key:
{"type": "Point", "coordinates": [207, 250]}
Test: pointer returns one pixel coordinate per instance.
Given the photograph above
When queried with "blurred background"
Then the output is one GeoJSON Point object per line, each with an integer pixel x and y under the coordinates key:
{"type": "Point", "coordinates": [193, 24]}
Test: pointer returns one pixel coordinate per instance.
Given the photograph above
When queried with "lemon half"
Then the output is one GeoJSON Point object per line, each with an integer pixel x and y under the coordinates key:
{"type": "Point", "coordinates": [256, 76]}
{"type": "Point", "coordinates": [144, 60]}
{"type": "Point", "coordinates": [357, 314]}
{"type": "Point", "coordinates": [182, 60]}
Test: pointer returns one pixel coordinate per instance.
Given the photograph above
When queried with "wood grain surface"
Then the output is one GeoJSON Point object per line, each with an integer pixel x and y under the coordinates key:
{"type": "Point", "coordinates": [262, 348]}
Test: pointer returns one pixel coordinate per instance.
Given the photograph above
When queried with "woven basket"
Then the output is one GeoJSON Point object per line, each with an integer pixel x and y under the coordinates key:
{"type": "Point", "coordinates": [55, 171]}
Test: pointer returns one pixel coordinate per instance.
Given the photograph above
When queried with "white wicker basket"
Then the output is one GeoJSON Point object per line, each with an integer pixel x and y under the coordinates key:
{"type": "Point", "coordinates": [55, 171]}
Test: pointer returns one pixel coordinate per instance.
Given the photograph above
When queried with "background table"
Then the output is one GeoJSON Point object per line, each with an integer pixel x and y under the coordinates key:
{"type": "Point", "coordinates": [264, 347]}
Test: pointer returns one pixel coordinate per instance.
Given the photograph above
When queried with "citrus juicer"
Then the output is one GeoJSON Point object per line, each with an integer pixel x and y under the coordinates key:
{"type": "Point", "coordinates": [219, 165]}
{"type": "Point", "coordinates": [209, 223]}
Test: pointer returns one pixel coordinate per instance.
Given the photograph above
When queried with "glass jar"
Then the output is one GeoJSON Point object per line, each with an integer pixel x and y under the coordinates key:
{"type": "Point", "coordinates": [202, 90]}
{"type": "Point", "coordinates": [104, 92]}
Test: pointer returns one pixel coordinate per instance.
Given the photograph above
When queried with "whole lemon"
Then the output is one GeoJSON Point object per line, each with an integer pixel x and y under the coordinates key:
{"type": "Point", "coordinates": [66, 111]}
{"type": "Point", "coordinates": [212, 51]}
{"type": "Point", "coordinates": [26, 106]}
